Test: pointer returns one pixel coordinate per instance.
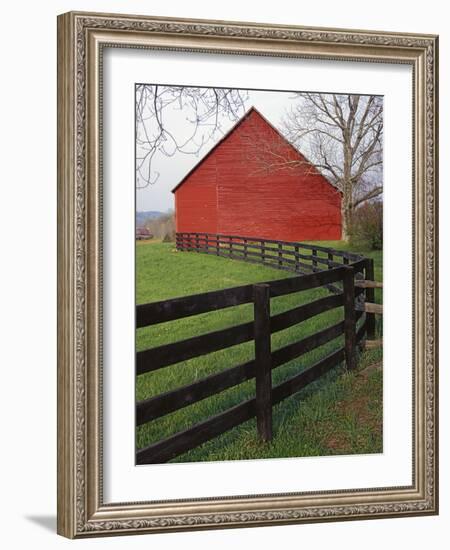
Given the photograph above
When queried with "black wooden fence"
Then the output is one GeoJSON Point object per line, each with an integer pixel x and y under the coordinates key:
{"type": "Point", "coordinates": [296, 257]}
{"type": "Point", "coordinates": [260, 368]}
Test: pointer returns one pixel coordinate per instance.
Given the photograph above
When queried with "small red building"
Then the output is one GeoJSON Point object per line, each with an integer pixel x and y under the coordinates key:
{"type": "Point", "coordinates": [254, 183]}
{"type": "Point", "coordinates": [142, 233]}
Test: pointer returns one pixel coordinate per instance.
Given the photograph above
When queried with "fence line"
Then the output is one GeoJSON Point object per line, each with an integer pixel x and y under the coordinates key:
{"type": "Point", "coordinates": [260, 368]}
{"type": "Point", "coordinates": [193, 241]}
{"type": "Point", "coordinates": [204, 431]}
{"type": "Point", "coordinates": [287, 256]}
{"type": "Point", "coordinates": [283, 255]}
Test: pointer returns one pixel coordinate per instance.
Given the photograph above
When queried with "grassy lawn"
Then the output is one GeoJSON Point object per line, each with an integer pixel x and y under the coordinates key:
{"type": "Point", "coordinates": [339, 414]}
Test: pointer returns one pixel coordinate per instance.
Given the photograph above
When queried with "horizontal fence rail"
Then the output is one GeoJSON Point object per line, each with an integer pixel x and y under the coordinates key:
{"type": "Point", "coordinates": [177, 308]}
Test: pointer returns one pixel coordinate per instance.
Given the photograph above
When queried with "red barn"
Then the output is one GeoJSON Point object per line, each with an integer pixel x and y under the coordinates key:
{"type": "Point", "coordinates": [253, 182]}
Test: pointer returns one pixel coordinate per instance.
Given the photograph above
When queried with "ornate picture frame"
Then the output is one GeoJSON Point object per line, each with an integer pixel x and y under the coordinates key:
{"type": "Point", "coordinates": [82, 39]}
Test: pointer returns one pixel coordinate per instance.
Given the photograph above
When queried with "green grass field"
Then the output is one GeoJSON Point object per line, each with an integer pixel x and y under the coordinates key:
{"type": "Point", "coordinates": [339, 414]}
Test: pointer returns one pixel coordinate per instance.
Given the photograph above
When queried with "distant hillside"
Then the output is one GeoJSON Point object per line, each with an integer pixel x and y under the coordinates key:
{"type": "Point", "coordinates": [143, 217]}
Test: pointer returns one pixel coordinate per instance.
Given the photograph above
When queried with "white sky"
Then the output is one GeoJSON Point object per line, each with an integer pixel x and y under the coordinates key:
{"type": "Point", "coordinates": [158, 196]}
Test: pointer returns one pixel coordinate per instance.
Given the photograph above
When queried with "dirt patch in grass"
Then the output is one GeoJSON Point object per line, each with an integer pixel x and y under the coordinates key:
{"type": "Point", "coordinates": [359, 414]}
{"type": "Point", "coordinates": [365, 373]}
{"type": "Point", "coordinates": [337, 444]}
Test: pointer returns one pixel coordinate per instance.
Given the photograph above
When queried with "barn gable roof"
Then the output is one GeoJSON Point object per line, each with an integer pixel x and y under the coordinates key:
{"type": "Point", "coordinates": [230, 131]}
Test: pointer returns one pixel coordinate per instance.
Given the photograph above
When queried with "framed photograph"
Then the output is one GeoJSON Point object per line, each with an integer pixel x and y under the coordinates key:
{"type": "Point", "coordinates": [247, 282]}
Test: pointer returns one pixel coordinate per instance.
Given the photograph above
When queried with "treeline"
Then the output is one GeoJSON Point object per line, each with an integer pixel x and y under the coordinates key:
{"type": "Point", "coordinates": [367, 225]}
{"type": "Point", "coordinates": [162, 227]}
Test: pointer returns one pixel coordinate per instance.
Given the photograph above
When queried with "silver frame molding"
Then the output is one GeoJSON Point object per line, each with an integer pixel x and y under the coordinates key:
{"type": "Point", "coordinates": [81, 37]}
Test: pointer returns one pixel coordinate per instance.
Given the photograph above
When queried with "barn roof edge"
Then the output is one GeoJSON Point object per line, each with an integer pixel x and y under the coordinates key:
{"type": "Point", "coordinates": [214, 147]}
{"type": "Point", "coordinates": [230, 131]}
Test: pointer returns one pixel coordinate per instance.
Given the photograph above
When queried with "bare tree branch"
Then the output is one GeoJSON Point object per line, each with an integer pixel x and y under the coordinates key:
{"type": "Point", "coordinates": [373, 193]}
{"type": "Point", "coordinates": [342, 135]}
{"type": "Point", "coordinates": [177, 119]}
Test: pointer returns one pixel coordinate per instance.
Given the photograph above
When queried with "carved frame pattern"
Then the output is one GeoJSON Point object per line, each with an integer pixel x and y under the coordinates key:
{"type": "Point", "coordinates": [80, 508]}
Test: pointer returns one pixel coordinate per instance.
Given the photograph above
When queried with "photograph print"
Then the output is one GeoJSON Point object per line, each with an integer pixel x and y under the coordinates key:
{"type": "Point", "coordinates": [259, 268]}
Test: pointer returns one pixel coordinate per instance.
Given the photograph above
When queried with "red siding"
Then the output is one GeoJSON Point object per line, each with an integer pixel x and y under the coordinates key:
{"type": "Point", "coordinates": [238, 190]}
{"type": "Point", "coordinates": [196, 201]}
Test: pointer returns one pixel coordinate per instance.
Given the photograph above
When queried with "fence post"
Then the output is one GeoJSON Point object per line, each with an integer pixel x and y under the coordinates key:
{"type": "Point", "coordinates": [349, 318]}
{"type": "Point", "coordinates": [230, 246]}
{"type": "Point", "coordinates": [263, 251]}
{"type": "Point", "coordinates": [207, 242]}
{"type": "Point", "coordinates": [217, 244]}
{"type": "Point", "coordinates": [280, 254]}
{"type": "Point", "coordinates": [296, 249]}
{"type": "Point", "coordinates": [314, 261]}
{"type": "Point", "coordinates": [370, 297]}
{"type": "Point", "coordinates": [245, 249]}
{"type": "Point", "coordinates": [197, 243]}
{"type": "Point", "coordinates": [263, 360]}
{"type": "Point", "coordinates": [330, 259]}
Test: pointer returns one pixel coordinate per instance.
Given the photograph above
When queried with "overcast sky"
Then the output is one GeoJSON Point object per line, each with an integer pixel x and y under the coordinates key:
{"type": "Point", "coordinates": [158, 196]}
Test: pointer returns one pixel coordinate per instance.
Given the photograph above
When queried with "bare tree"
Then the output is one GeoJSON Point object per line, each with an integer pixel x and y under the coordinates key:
{"type": "Point", "coordinates": [177, 119]}
{"type": "Point", "coordinates": [342, 135]}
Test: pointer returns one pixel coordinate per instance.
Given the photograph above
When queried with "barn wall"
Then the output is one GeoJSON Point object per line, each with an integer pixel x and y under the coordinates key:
{"type": "Point", "coordinates": [254, 195]}
{"type": "Point", "coordinates": [258, 198]}
{"type": "Point", "coordinates": [196, 200]}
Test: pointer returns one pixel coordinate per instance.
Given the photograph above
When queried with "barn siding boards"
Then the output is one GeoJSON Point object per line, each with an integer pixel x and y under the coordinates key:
{"type": "Point", "coordinates": [240, 188]}
{"type": "Point", "coordinates": [196, 203]}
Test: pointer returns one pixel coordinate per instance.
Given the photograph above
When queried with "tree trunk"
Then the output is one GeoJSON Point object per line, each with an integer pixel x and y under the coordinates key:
{"type": "Point", "coordinates": [346, 221]}
{"type": "Point", "coordinates": [347, 187]}
{"type": "Point", "coordinates": [347, 216]}
{"type": "Point", "coordinates": [344, 235]}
